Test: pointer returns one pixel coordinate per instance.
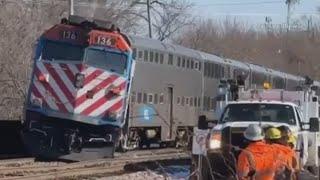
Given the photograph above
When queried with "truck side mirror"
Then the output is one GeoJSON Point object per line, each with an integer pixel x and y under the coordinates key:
{"type": "Point", "coordinates": [202, 122]}
{"type": "Point", "coordinates": [314, 125]}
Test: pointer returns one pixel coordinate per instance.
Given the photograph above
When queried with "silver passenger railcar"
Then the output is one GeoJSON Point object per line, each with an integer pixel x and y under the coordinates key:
{"type": "Point", "coordinates": [173, 85]}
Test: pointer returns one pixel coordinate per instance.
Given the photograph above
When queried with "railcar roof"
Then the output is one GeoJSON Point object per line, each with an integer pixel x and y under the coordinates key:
{"type": "Point", "coordinates": [161, 46]}
{"type": "Point", "coordinates": [239, 64]}
{"type": "Point", "coordinates": [212, 58]}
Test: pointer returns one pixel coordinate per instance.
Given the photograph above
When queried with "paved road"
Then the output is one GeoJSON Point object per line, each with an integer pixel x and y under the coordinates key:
{"type": "Point", "coordinates": [307, 176]}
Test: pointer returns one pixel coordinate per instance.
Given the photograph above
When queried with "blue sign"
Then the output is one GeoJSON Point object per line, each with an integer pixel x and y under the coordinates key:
{"type": "Point", "coordinates": [147, 113]}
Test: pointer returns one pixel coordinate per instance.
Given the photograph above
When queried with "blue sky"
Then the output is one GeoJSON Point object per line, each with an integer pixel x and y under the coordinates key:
{"type": "Point", "coordinates": [254, 11]}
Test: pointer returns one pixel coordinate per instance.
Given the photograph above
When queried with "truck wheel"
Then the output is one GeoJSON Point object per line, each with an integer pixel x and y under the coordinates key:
{"type": "Point", "coordinates": [314, 170]}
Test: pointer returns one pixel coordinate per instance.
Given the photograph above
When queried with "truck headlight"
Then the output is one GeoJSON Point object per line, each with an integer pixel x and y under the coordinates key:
{"type": "Point", "coordinates": [215, 141]}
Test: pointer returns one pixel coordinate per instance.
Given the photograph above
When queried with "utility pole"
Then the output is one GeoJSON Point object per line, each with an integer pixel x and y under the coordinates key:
{"type": "Point", "coordinates": [71, 7]}
{"type": "Point", "coordinates": [149, 19]}
{"type": "Point", "coordinates": [148, 3]}
{"type": "Point", "coordinates": [289, 3]}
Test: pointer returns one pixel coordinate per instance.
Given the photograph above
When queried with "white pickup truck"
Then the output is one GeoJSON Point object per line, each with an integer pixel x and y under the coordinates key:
{"type": "Point", "coordinates": [298, 110]}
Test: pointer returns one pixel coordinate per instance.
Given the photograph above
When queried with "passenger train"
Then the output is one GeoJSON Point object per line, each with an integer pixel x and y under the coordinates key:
{"type": "Point", "coordinates": [94, 89]}
{"type": "Point", "coordinates": [174, 85]}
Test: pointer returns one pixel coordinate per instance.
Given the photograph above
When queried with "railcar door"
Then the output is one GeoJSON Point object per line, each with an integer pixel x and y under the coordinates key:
{"type": "Point", "coordinates": [170, 115]}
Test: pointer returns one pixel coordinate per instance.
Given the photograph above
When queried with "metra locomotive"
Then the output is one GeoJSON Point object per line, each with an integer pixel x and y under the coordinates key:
{"type": "Point", "coordinates": [77, 97]}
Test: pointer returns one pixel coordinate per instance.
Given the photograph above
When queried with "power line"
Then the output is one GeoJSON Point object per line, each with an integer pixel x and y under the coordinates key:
{"type": "Point", "coordinates": [241, 3]}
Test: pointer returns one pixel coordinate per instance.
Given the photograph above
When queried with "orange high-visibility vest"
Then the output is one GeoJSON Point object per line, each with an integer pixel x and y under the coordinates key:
{"type": "Point", "coordinates": [258, 157]}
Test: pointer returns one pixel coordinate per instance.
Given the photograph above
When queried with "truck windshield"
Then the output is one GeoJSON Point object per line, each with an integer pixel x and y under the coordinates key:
{"type": "Point", "coordinates": [259, 112]}
{"type": "Point", "coordinates": [60, 51]}
{"type": "Point", "coordinates": [112, 61]}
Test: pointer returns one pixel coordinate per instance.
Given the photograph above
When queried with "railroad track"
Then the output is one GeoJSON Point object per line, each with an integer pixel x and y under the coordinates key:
{"type": "Point", "coordinates": [89, 168]}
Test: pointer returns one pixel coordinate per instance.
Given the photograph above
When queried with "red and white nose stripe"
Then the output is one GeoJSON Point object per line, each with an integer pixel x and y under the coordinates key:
{"type": "Point", "coordinates": [59, 93]}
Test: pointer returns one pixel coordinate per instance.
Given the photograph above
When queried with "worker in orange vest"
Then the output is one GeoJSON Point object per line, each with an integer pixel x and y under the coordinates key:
{"type": "Point", "coordinates": [284, 156]}
{"type": "Point", "coordinates": [255, 161]}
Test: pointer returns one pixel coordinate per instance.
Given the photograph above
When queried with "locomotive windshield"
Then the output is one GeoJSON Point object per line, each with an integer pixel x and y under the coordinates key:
{"type": "Point", "coordinates": [259, 112]}
{"type": "Point", "coordinates": [111, 61]}
{"type": "Point", "coordinates": [59, 51]}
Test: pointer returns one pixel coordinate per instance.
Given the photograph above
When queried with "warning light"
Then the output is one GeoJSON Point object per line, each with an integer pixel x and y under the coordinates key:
{"type": "Point", "coordinates": [267, 85]}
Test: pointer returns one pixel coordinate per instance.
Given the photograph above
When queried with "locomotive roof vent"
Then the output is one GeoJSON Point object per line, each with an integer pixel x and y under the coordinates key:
{"type": "Point", "coordinates": [90, 23]}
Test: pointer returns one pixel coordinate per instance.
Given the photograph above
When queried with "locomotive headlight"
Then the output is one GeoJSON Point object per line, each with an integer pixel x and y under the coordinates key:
{"type": "Point", "coordinates": [36, 102]}
{"type": "Point", "coordinates": [115, 115]}
{"type": "Point", "coordinates": [79, 80]}
{"type": "Point", "coordinates": [215, 141]}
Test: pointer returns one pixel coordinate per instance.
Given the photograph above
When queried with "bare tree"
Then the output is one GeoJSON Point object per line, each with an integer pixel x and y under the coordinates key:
{"type": "Point", "coordinates": [20, 25]}
{"type": "Point", "coordinates": [171, 16]}
{"type": "Point", "coordinates": [233, 39]}
{"type": "Point", "coordinates": [120, 12]}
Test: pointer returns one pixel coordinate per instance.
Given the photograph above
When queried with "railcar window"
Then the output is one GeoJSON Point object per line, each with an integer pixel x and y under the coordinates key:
{"type": "Point", "coordinates": [195, 101]}
{"type": "Point", "coordinates": [199, 66]}
{"type": "Point", "coordinates": [155, 98]}
{"type": "Point", "coordinates": [258, 78]}
{"type": "Point", "coordinates": [213, 70]}
{"type": "Point", "coordinates": [151, 56]}
{"type": "Point", "coordinates": [139, 97]}
{"type": "Point", "coordinates": [199, 102]}
{"type": "Point", "coordinates": [196, 64]}
{"type": "Point", "coordinates": [182, 101]}
{"type": "Point", "coordinates": [150, 98]}
{"type": "Point", "coordinates": [178, 100]}
{"type": "Point", "coordinates": [145, 55]}
{"type": "Point", "coordinates": [183, 62]}
{"type": "Point", "coordinates": [179, 61]}
{"type": "Point", "coordinates": [187, 101]}
{"type": "Point", "coordinates": [191, 101]}
{"type": "Point", "coordinates": [192, 64]}
{"type": "Point", "coordinates": [206, 69]}
{"type": "Point", "coordinates": [134, 53]}
{"type": "Point", "coordinates": [170, 60]}
{"type": "Point", "coordinates": [161, 58]}
{"type": "Point", "coordinates": [156, 58]}
{"type": "Point", "coordinates": [161, 99]}
{"type": "Point", "coordinates": [133, 97]}
{"type": "Point", "coordinates": [145, 98]}
{"type": "Point", "coordinates": [213, 104]}
{"type": "Point", "coordinates": [216, 71]}
{"type": "Point", "coordinates": [188, 63]}
{"type": "Point", "coordinates": [140, 55]}
{"type": "Point", "coordinates": [222, 72]}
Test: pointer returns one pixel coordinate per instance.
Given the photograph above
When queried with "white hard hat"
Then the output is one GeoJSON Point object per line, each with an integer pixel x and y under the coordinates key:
{"type": "Point", "coordinates": [253, 133]}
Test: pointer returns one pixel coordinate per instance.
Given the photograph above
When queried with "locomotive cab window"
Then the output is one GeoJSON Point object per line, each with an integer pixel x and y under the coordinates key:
{"type": "Point", "coordinates": [58, 51]}
{"type": "Point", "coordinates": [102, 58]}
